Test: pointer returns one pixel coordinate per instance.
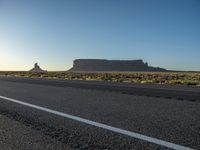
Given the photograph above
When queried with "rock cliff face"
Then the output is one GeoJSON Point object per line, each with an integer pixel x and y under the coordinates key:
{"type": "Point", "coordinates": [112, 65]}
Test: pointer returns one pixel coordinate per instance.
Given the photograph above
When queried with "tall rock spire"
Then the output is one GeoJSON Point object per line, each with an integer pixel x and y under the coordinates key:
{"type": "Point", "coordinates": [37, 69]}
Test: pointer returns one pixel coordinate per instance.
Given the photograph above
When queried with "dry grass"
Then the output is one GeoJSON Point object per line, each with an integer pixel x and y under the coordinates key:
{"type": "Point", "coordinates": [175, 78]}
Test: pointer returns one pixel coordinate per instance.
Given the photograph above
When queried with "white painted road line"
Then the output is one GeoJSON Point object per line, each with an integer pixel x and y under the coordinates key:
{"type": "Point", "coordinates": [103, 126]}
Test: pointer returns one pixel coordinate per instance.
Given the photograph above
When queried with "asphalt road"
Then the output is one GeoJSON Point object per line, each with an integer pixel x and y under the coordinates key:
{"type": "Point", "coordinates": [153, 90]}
{"type": "Point", "coordinates": [163, 116]}
{"type": "Point", "coordinates": [17, 136]}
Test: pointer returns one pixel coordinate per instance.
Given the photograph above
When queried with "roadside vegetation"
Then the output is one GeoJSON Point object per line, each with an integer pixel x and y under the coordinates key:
{"type": "Point", "coordinates": [173, 78]}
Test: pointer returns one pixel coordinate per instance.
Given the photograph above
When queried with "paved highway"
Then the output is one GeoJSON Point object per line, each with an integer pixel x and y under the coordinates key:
{"type": "Point", "coordinates": [153, 90]}
{"type": "Point", "coordinates": [94, 115]}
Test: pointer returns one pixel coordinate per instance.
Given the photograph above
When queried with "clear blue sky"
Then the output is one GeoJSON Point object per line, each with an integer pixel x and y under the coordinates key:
{"type": "Point", "coordinates": [165, 33]}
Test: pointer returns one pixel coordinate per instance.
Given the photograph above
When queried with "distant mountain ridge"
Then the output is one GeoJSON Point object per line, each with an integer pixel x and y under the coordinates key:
{"type": "Point", "coordinates": [113, 65]}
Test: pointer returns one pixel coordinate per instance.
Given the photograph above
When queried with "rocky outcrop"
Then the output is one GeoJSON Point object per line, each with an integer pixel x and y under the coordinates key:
{"type": "Point", "coordinates": [112, 65]}
{"type": "Point", "coordinates": [37, 69]}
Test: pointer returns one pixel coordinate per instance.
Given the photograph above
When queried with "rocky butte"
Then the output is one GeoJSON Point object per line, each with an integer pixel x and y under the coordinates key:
{"type": "Point", "coordinates": [113, 65]}
{"type": "Point", "coordinates": [37, 69]}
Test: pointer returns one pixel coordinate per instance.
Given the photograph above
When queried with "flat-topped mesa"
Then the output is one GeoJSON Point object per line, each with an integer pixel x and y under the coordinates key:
{"type": "Point", "coordinates": [37, 69]}
{"type": "Point", "coordinates": [112, 65]}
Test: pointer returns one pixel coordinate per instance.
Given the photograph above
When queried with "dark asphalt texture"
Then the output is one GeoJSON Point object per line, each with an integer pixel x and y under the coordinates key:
{"type": "Point", "coordinates": [17, 136]}
{"type": "Point", "coordinates": [177, 92]}
{"type": "Point", "coordinates": [169, 119]}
